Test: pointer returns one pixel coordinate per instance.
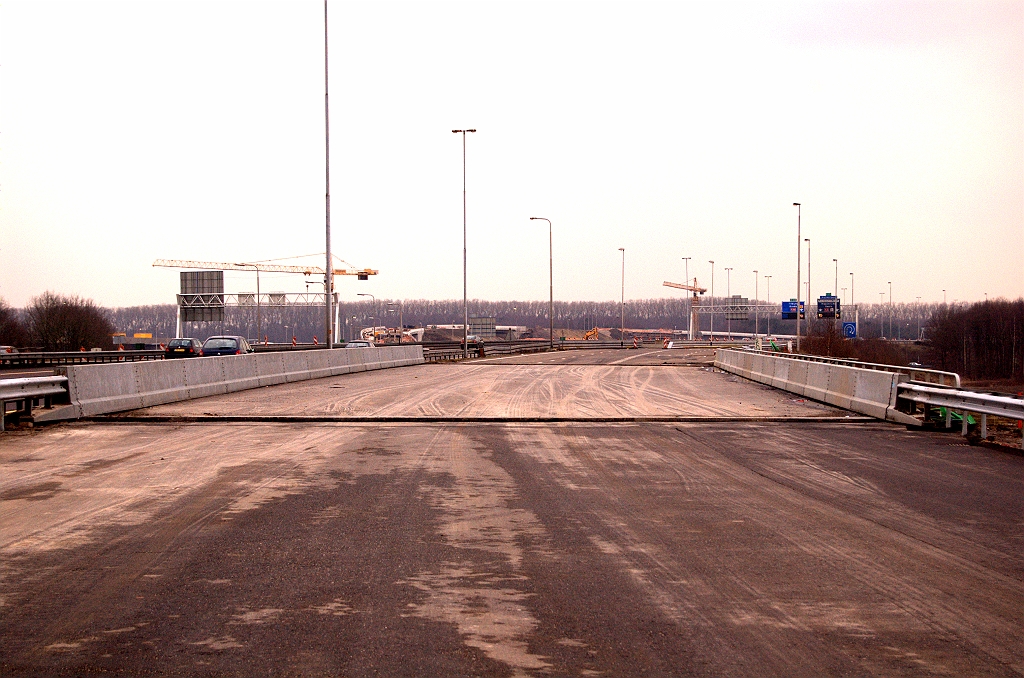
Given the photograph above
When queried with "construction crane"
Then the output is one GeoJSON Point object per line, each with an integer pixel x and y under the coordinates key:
{"type": "Point", "coordinates": [362, 273]}
{"type": "Point", "coordinates": [694, 303]}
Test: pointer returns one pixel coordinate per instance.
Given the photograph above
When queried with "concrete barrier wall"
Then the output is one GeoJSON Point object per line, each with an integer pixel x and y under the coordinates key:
{"type": "Point", "coordinates": [117, 387]}
{"type": "Point", "coordinates": [870, 392]}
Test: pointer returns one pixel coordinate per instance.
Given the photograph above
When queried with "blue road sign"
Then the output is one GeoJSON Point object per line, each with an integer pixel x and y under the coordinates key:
{"type": "Point", "coordinates": [850, 330]}
{"type": "Point", "coordinates": [789, 310]}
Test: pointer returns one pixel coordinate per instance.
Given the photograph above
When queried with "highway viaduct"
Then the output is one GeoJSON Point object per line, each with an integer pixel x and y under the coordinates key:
{"type": "Point", "coordinates": [576, 513]}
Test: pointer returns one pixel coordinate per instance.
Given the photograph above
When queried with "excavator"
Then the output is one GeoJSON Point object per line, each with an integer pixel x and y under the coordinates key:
{"type": "Point", "coordinates": [694, 305]}
{"type": "Point", "coordinates": [591, 334]}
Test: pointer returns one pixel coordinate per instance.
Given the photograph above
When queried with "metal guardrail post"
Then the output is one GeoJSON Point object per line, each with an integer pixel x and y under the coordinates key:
{"type": "Point", "coordinates": [965, 402]}
{"type": "Point", "coordinates": [27, 390]}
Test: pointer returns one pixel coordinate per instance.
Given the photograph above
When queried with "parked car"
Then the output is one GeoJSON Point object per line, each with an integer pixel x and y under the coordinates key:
{"type": "Point", "coordinates": [474, 342]}
{"type": "Point", "coordinates": [226, 345]}
{"type": "Point", "coordinates": [358, 343]}
{"type": "Point", "coordinates": [183, 347]}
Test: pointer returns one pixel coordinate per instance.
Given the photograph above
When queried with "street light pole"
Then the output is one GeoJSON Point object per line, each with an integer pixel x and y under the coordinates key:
{"type": "Point", "coordinates": [728, 301]}
{"type": "Point", "coordinates": [797, 205]}
{"type": "Point", "coordinates": [622, 307]}
{"type": "Point", "coordinates": [712, 300]}
{"type": "Point", "coordinates": [689, 300]}
{"type": "Point", "coordinates": [551, 284]}
{"type": "Point", "coordinates": [756, 304]}
{"type": "Point", "coordinates": [401, 320]}
{"type": "Point", "coordinates": [808, 311]}
{"type": "Point", "coordinates": [890, 309]}
{"type": "Point", "coordinates": [465, 298]}
{"type": "Point", "coordinates": [836, 261]}
{"type": "Point", "coordinates": [329, 268]}
{"type": "Point", "coordinates": [768, 331]}
{"type": "Point", "coordinates": [373, 316]}
{"type": "Point", "coordinates": [881, 301]}
{"type": "Point", "coordinates": [919, 318]}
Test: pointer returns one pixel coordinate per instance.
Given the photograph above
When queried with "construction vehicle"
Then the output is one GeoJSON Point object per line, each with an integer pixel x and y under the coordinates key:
{"type": "Point", "coordinates": [694, 303]}
{"type": "Point", "coordinates": [591, 334]}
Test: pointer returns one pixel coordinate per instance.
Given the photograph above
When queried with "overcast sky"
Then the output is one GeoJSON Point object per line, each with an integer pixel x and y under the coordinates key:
{"type": "Point", "coordinates": [195, 130]}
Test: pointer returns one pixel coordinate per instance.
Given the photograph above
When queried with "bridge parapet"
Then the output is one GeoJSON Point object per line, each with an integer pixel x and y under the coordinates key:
{"type": "Point", "coordinates": [867, 391]}
{"type": "Point", "coordinates": [118, 387]}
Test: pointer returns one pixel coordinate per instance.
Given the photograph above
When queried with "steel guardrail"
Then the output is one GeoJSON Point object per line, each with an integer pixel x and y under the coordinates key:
{"type": "Point", "coordinates": [27, 390]}
{"type": "Point", "coordinates": [917, 374]}
{"type": "Point", "coordinates": [54, 358]}
{"type": "Point", "coordinates": [967, 401]}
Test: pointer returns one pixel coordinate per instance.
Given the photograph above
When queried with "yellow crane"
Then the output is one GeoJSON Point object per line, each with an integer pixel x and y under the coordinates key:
{"type": "Point", "coordinates": [695, 302]}
{"type": "Point", "coordinates": [362, 273]}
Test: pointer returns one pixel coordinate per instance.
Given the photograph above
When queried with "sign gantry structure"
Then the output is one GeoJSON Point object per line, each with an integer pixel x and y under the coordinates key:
{"type": "Point", "coordinates": [202, 297]}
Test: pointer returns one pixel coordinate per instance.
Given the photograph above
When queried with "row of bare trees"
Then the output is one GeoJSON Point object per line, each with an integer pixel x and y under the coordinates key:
{"type": "Point", "coordinates": [984, 340]}
{"type": "Point", "coordinates": [52, 322]}
{"type": "Point", "coordinates": [981, 340]}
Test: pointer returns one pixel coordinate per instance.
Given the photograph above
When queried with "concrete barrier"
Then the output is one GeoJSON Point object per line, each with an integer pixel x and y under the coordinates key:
{"type": "Point", "coordinates": [339, 361]}
{"type": "Point", "coordinates": [870, 392]}
{"type": "Point", "coordinates": [118, 387]}
{"type": "Point", "coordinates": [167, 380]}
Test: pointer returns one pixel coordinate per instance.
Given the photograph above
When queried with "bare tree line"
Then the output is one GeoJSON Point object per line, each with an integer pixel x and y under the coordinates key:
{"type": "Point", "coordinates": [981, 340]}
{"type": "Point", "coordinates": [280, 324]}
{"type": "Point", "coordinates": [56, 323]}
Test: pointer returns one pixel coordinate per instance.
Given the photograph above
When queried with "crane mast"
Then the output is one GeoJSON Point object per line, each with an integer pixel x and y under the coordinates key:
{"type": "Point", "coordinates": [694, 303]}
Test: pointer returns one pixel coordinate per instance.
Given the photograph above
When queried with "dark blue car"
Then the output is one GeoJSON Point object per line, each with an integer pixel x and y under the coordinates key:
{"type": "Point", "coordinates": [183, 347]}
{"type": "Point", "coordinates": [226, 345]}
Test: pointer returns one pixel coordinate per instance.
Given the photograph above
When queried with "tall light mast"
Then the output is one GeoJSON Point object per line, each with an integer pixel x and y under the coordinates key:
{"type": "Point", "coordinates": [328, 266]}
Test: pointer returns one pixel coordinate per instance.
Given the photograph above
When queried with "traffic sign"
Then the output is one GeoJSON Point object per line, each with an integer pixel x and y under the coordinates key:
{"type": "Point", "coordinates": [828, 307]}
{"type": "Point", "coordinates": [850, 330]}
{"type": "Point", "coordinates": [789, 310]}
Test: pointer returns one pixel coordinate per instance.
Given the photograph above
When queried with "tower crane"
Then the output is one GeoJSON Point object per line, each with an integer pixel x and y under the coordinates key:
{"type": "Point", "coordinates": [694, 303]}
{"type": "Point", "coordinates": [362, 273]}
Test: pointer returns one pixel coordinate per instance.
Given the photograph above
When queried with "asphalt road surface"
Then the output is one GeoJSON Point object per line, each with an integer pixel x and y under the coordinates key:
{"type": "Point", "coordinates": [718, 548]}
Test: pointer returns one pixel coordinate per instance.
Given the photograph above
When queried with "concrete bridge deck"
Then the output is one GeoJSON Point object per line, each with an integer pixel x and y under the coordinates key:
{"type": "Point", "coordinates": [572, 548]}
{"type": "Point", "coordinates": [565, 384]}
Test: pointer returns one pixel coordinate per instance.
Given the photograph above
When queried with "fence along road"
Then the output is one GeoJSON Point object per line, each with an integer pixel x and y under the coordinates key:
{"type": "Point", "coordinates": [785, 548]}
